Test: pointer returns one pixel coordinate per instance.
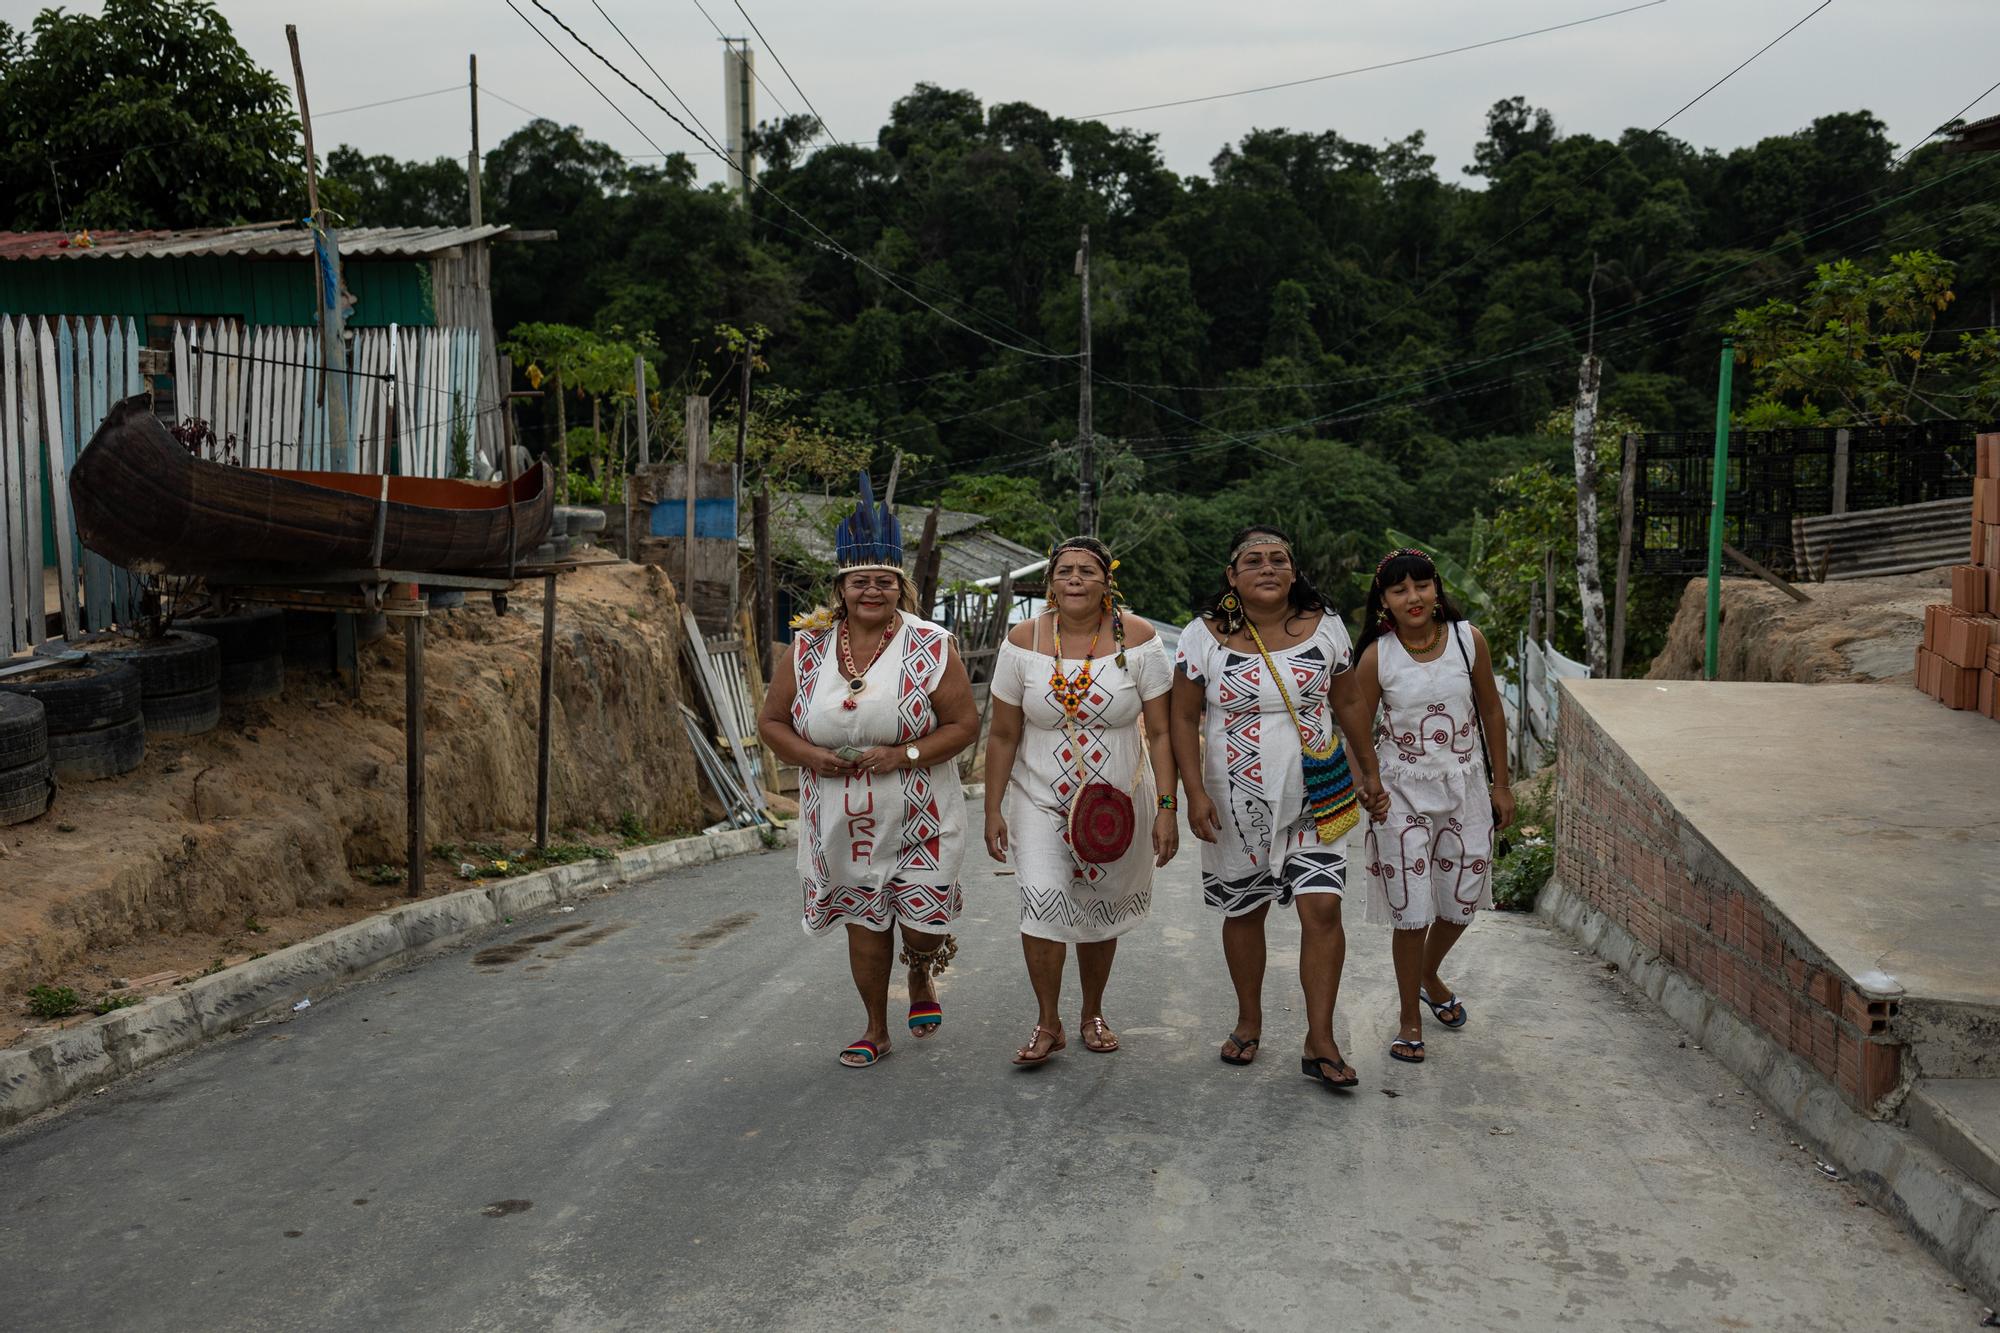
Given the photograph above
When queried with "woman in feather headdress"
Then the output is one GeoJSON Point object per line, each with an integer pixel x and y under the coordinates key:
{"type": "Point", "coordinates": [873, 705]}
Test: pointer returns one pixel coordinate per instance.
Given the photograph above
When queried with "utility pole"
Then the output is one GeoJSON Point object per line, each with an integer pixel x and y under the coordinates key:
{"type": "Point", "coordinates": [1086, 446]}
{"type": "Point", "coordinates": [739, 112]}
{"type": "Point", "coordinates": [326, 282]}
{"type": "Point", "coordinates": [1589, 581]}
{"type": "Point", "coordinates": [472, 158]}
{"type": "Point", "coordinates": [1717, 510]}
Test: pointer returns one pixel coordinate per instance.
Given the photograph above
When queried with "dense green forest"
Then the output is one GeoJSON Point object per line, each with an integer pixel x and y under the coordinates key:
{"type": "Point", "coordinates": [1346, 338]}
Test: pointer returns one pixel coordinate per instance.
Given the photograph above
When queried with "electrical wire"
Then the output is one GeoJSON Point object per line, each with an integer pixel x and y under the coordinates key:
{"type": "Point", "coordinates": [753, 70]}
{"type": "Point", "coordinates": [1942, 127]}
{"type": "Point", "coordinates": [1364, 69]}
{"type": "Point", "coordinates": [828, 129]}
{"type": "Point", "coordinates": [391, 101]}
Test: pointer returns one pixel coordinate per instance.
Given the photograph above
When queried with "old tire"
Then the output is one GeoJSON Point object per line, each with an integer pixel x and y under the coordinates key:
{"type": "Point", "coordinates": [188, 714]}
{"type": "Point", "coordinates": [98, 693]}
{"type": "Point", "coordinates": [253, 681]}
{"type": "Point", "coordinates": [24, 731]}
{"type": "Point", "coordinates": [248, 636]}
{"type": "Point", "coordinates": [178, 662]}
{"type": "Point", "coordinates": [26, 790]}
{"type": "Point", "coordinates": [104, 752]}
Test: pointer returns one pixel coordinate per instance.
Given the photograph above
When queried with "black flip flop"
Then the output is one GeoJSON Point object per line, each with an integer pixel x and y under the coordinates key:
{"type": "Point", "coordinates": [1246, 1050]}
{"type": "Point", "coordinates": [1309, 1065]}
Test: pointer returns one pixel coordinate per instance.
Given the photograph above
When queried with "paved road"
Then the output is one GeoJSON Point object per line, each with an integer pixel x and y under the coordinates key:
{"type": "Point", "coordinates": [639, 1125]}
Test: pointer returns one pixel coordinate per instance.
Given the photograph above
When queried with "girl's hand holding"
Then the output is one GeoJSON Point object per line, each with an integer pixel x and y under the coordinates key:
{"type": "Point", "coordinates": [1503, 808]}
{"type": "Point", "coordinates": [1374, 799]}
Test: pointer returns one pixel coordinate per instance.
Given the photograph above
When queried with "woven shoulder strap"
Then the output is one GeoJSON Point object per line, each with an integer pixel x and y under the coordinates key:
{"type": "Point", "coordinates": [1305, 739]}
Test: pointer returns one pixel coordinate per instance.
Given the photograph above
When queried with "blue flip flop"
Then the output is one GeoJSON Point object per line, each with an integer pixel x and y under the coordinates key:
{"type": "Point", "coordinates": [1437, 1010]}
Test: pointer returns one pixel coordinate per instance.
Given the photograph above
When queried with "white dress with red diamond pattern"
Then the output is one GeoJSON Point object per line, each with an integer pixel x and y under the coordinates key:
{"type": "Point", "coordinates": [877, 848]}
{"type": "Point", "coordinates": [1062, 899]}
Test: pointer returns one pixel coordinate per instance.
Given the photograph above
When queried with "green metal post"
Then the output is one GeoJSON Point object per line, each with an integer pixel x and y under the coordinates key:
{"type": "Point", "coordinates": [1719, 495]}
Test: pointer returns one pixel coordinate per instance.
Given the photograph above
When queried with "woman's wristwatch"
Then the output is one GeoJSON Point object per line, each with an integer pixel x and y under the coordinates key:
{"type": "Point", "coordinates": [910, 753]}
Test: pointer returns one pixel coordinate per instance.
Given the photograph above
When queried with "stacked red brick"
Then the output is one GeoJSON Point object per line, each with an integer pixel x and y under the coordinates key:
{"type": "Point", "coordinates": [1959, 662]}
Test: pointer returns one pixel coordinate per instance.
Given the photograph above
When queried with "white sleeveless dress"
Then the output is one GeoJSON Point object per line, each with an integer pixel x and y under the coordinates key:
{"type": "Point", "coordinates": [1062, 899]}
{"type": "Point", "coordinates": [1433, 858]}
{"type": "Point", "coordinates": [1269, 849]}
{"type": "Point", "coordinates": [877, 848]}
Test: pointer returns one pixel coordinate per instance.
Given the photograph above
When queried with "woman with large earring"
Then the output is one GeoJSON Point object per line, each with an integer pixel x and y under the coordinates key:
{"type": "Point", "coordinates": [1070, 689]}
{"type": "Point", "coordinates": [873, 704]}
{"type": "Point", "coordinates": [1263, 678]}
{"type": "Point", "coordinates": [1441, 750]}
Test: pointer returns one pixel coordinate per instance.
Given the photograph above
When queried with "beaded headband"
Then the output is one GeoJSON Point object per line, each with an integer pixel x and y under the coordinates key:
{"type": "Point", "coordinates": [1095, 550]}
{"type": "Point", "coordinates": [1259, 539]}
{"type": "Point", "coordinates": [1383, 563]}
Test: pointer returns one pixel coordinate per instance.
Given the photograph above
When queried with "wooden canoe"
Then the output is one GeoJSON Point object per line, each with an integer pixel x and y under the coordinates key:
{"type": "Point", "coordinates": [142, 501]}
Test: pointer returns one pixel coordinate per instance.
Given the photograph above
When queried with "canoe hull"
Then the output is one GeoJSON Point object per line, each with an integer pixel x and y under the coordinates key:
{"type": "Point", "coordinates": [142, 501]}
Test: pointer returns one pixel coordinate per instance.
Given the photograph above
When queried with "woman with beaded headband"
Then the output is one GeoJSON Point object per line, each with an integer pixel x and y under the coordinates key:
{"type": "Point", "coordinates": [873, 705]}
{"type": "Point", "coordinates": [1070, 689]}
{"type": "Point", "coordinates": [1436, 804]}
{"type": "Point", "coordinates": [1264, 671]}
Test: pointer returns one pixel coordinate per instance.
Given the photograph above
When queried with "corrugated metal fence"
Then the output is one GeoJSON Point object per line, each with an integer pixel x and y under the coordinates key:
{"type": "Point", "coordinates": [411, 394]}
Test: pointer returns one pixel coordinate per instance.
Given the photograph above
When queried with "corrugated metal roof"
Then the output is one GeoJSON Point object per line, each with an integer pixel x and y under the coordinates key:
{"type": "Point", "coordinates": [258, 242]}
{"type": "Point", "coordinates": [966, 550]}
{"type": "Point", "coordinates": [1875, 543]}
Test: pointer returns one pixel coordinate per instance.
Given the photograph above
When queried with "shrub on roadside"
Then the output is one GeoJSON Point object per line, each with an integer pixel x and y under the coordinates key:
{"type": "Point", "coordinates": [1520, 873]}
{"type": "Point", "coordinates": [52, 1001]}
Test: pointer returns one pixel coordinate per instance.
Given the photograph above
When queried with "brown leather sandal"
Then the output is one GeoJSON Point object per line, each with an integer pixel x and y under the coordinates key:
{"type": "Point", "coordinates": [1098, 1037]}
{"type": "Point", "coordinates": [1022, 1056]}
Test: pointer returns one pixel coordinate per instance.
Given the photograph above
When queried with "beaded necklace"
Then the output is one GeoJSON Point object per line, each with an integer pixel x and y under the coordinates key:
{"type": "Point", "coordinates": [1071, 689]}
{"type": "Point", "coordinates": [857, 681]}
{"type": "Point", "coordinates": [1437, 632]}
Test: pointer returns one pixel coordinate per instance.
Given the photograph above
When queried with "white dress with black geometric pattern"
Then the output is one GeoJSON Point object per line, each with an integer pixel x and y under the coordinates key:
{"type": "Point", "coordinates": [1062, 899]}
{"type": "Point", "coordinates": [1269, 849]}
{"type": "Point", "coordinates": [877, 848]}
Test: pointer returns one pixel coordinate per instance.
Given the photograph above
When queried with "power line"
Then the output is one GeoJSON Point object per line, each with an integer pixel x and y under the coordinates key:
{"type": "Point", "coordinates": [390, 101]}
{"type": "Point", "coordinates": [781, 65]}
{"type": "Point", "coordinates": [708, 137]}
{"type": "Point", "coordinates": [1486, 249]}
{"type": "Point", "coordinates": [1359, 69]}
{"type": "Point", "coordinates": [753, 72]}
{"type": "Point", "coordinates": [832, 243]}
{"type": "Point", "coordinates": [1945, 125]}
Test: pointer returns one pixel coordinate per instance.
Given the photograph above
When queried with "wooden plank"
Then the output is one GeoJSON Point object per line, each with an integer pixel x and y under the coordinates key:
{"type": "Point", "coordinates": [13, 499]}
{"type": "Point", "coordinates": [718, 706]}
{"type": "Point", "coordinates": [1764, 573]}
{"type": "Point", "coordinates": [183, 374]}
{"type": "Point", "coordinates": [292, 419]}
{"type": "Point", "coordinates": [235, 383]}
{"type": "Point", "coordinates": [253, 397]}
{"type": "Point", "coordinates": [93, 405]}
{"type": "Point", "coordinates": [31, 472]}
{"type": "Point", "coordinates": [58, 475]}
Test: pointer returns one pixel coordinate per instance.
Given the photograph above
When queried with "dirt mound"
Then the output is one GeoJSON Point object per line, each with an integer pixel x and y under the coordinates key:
{"type": "Point", "coordinates": [274, 825]}
{"type": "Point", "coordinates": [1855, 630]}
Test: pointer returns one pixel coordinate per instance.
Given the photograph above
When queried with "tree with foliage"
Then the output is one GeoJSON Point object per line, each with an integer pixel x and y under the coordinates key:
{"type": "Point", "coordinates": [149, 114]}
{"type": "Point", "coordinates": [1860, 348]}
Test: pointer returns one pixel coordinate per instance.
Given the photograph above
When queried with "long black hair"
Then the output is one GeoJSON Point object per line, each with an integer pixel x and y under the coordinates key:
{"type": "Point", "coordinates": [1304, 596]}
{"type": "Point", "coordinates": [1396, 566]}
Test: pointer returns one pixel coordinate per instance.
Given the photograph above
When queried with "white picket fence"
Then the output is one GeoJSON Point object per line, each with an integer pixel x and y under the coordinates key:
{"type": "Point", "coordinates": [58, 379]}
{"type": "Point", "coordinates": [410, 390]}
{"type": "Point", "coordinates": [407, 391]}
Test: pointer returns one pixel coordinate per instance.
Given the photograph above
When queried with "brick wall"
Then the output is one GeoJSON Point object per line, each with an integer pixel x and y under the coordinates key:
{"type": "Point", "coordinates": [1624, 850]}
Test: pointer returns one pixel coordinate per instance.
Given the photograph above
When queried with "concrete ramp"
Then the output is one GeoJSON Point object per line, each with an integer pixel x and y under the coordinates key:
{"type": "Point", "coordinates": [1824, 860]}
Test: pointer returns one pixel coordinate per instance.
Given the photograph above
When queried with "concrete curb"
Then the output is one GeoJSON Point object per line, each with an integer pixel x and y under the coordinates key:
{"type": "Point", "coordinates": [89, 1055]}
{"type": "Point", "coordinates": [1952, 1217]}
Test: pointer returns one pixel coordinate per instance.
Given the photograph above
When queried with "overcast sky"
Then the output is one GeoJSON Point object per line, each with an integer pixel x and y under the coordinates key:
{"type": "Point", "coordinates": [1911, 62]}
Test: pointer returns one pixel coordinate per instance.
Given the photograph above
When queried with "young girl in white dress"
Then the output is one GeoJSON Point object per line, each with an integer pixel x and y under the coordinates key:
{"type": "Point", "coordinates": [1441, 753]}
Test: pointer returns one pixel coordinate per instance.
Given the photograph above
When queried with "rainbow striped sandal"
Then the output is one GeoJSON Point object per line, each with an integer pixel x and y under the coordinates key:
{"type": "Point", "coordinates": [926, 1017]}
{"type": "Point", "coordinates": [865, 1052]}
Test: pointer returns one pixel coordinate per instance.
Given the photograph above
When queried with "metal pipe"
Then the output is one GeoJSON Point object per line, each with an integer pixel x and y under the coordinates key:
{"type": "Point", "coordinates": [1719, 495]}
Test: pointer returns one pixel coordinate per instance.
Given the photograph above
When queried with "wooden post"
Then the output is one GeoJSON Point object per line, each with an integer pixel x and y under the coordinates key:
{"type": "Point", "coordinates": [1841, 441]}
{"type": "Point", "coordinates": [927, 561]}
{"type": "Point", "coordinates": [1627, 482]}
{"type": "Point", "coordinates": [413, 766]}
{"type": "Point", "coordinates": [544, 731]}
{"type": "Point", "coordinates": [767, 591]}
{"type": "Point", "coordinates": [645, 454]}
{"type": "Point", "coordinates": [507, 452]}
{"type": "Point", "coordinates": [333, 351]}
{"type": "Point", "coordinates": [472, 158]}
{"type": "Point", "coordinates": [1589, 578]}
{"type": "Point", "coordinates": [696, 454]}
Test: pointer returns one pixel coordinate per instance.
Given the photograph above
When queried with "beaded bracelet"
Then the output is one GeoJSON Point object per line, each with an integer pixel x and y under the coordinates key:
{"type": "Point", "coordinates": [1168, 803]}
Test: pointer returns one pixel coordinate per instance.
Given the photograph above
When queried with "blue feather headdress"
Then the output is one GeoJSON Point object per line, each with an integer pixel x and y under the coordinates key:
{"type": "Point", "coordinates": [870, 537]}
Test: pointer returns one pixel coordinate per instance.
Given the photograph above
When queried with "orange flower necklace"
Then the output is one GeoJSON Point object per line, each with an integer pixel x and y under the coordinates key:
{"type": "Point", "coordinates": [1070, 690]}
